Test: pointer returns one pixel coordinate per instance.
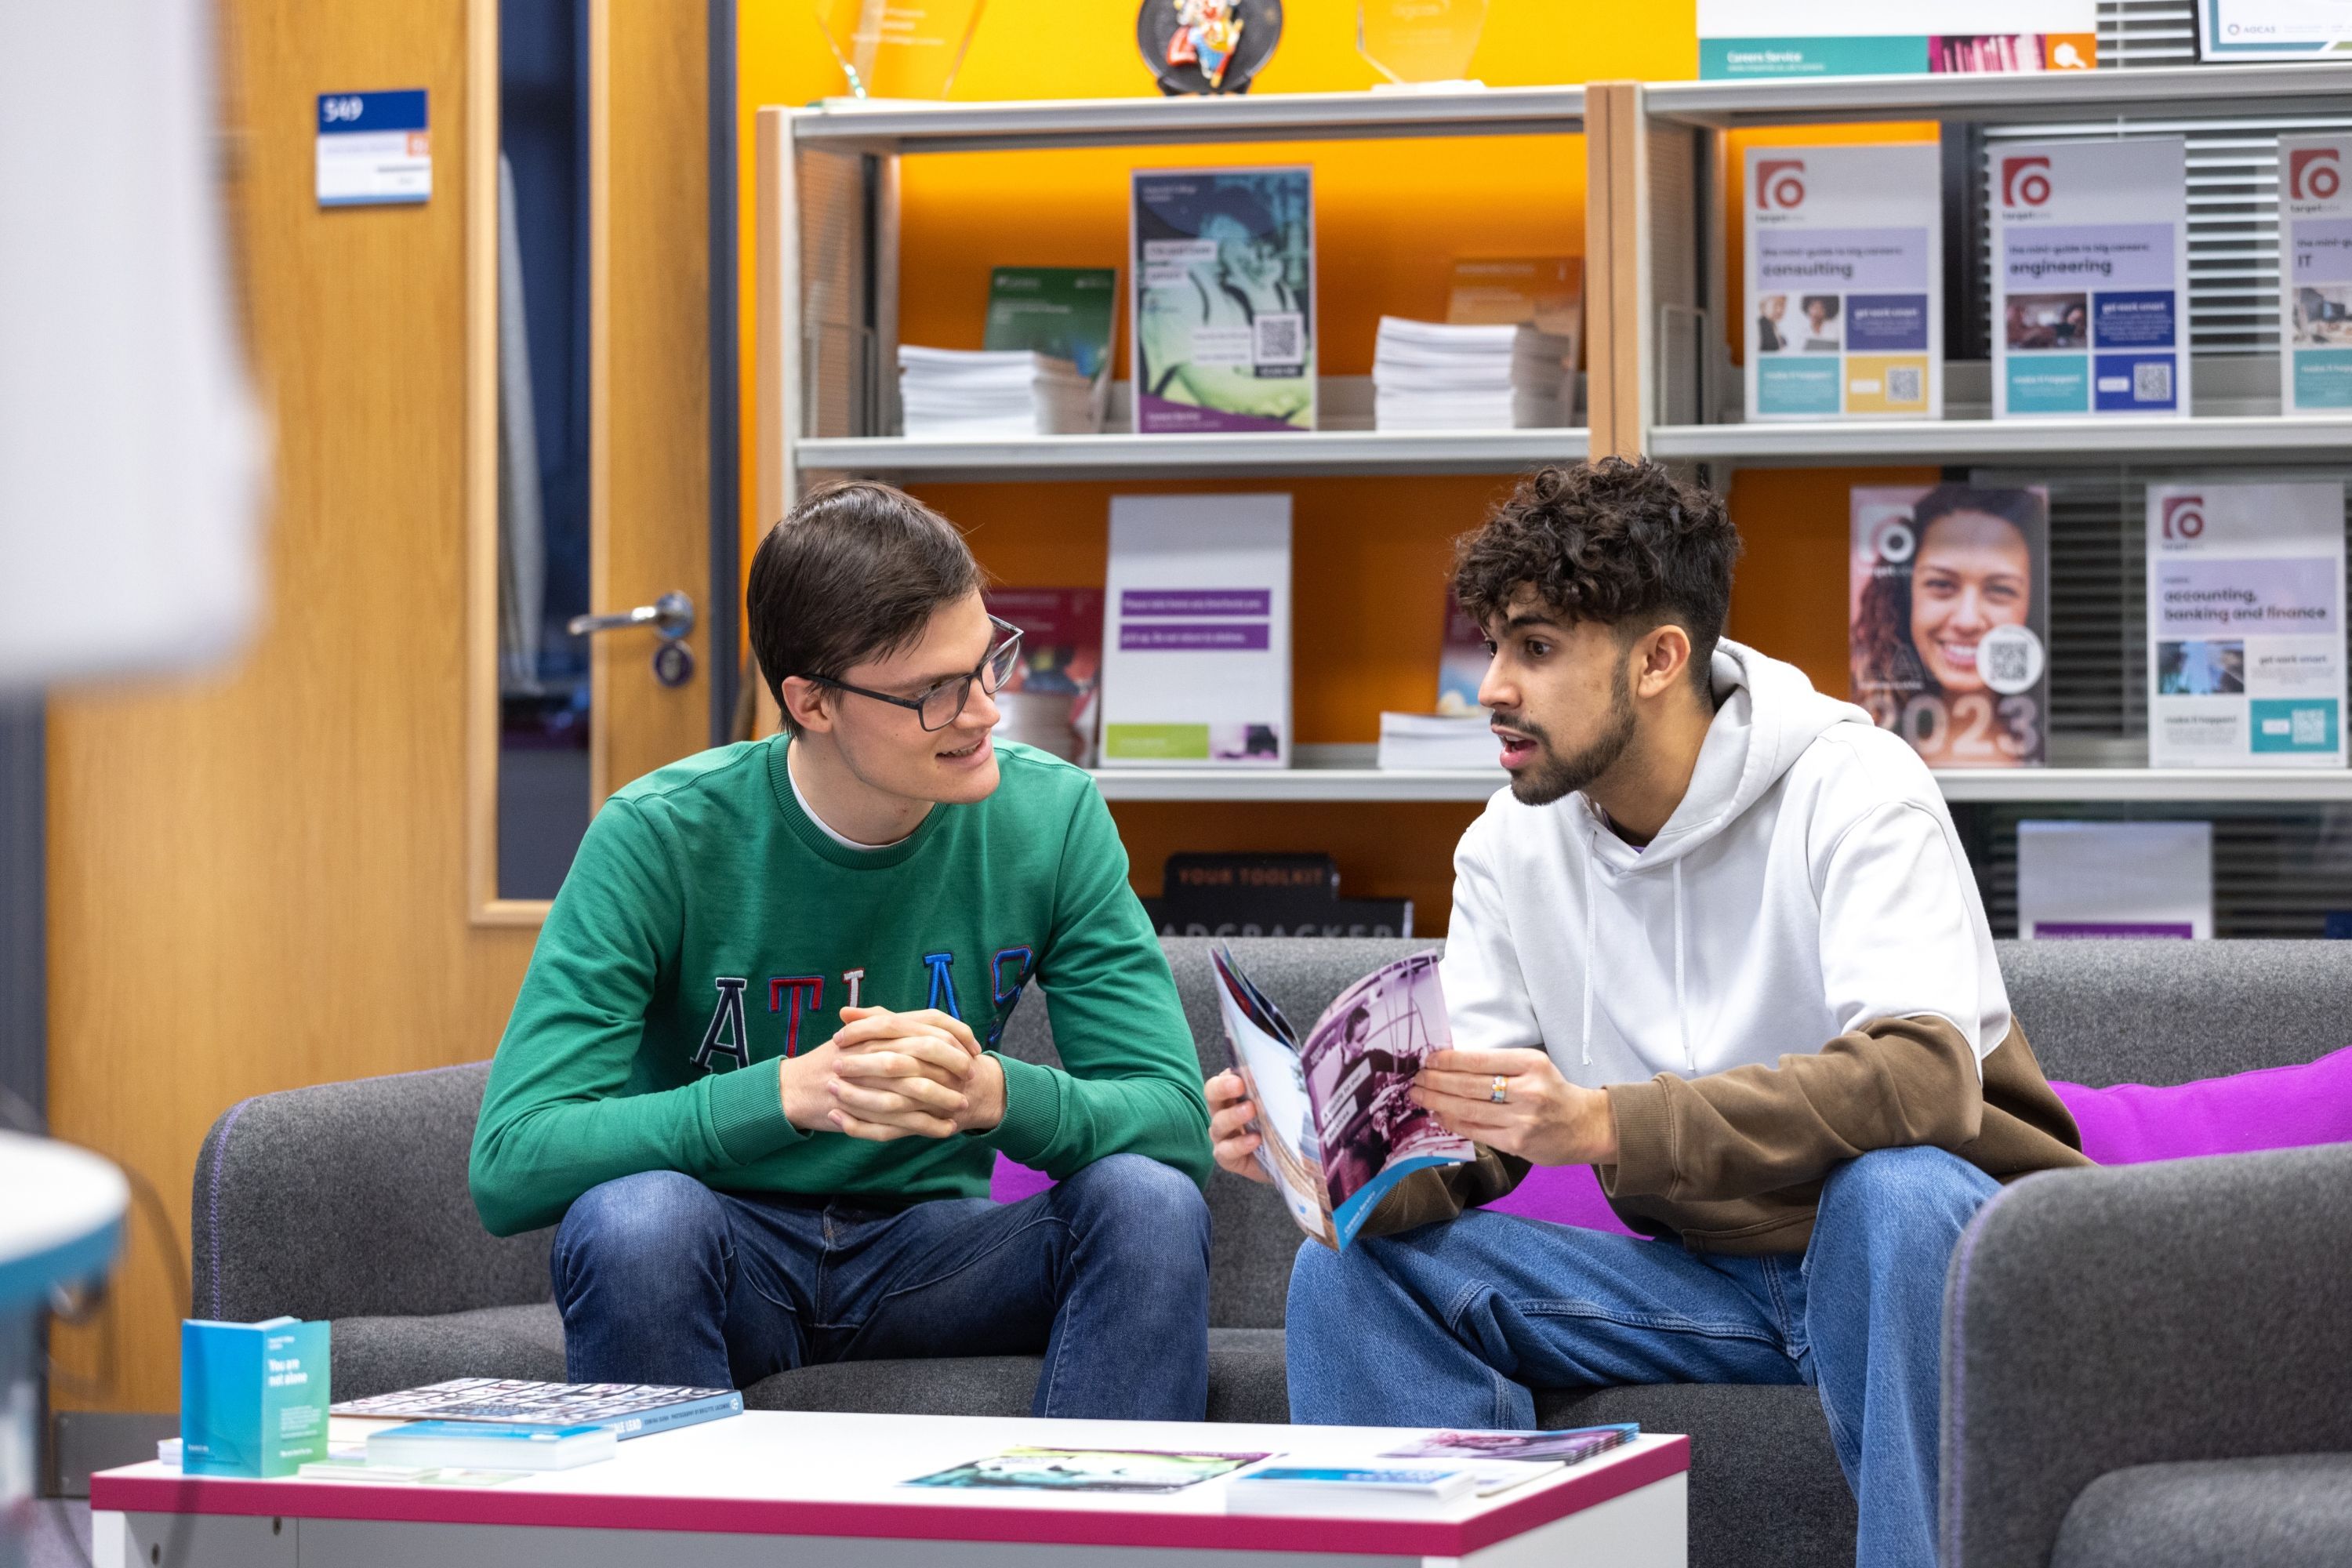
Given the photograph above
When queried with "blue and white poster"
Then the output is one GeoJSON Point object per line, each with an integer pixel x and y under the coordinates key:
{"type": "Point", "coordinates": [2090, 247]}
{"type": "Point", "coordinates": [374, 149]}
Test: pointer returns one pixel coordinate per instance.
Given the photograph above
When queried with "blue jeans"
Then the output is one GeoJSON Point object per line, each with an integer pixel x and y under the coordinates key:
{"type": "Point", "coordinates": [661, 1279]}
{"type": "Point", "coordinates": [1453, 1325]}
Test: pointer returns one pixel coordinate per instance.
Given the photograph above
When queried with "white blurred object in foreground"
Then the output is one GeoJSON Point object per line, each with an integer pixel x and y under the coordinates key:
{"type": "Point", "coordinates": [130, 446]}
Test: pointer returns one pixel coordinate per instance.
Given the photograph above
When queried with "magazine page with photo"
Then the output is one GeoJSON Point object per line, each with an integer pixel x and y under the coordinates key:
{"type": "Point", "coordinates": [1949, 614]}
{"type": "Point", "coordinates": [1338, 1121]}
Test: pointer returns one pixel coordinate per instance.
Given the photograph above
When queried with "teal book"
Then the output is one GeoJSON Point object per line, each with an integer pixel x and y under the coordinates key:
{"type": "Point", "coordinates": [1066, 312]}
{"type": "Point", "coordinates": [253, 1396]}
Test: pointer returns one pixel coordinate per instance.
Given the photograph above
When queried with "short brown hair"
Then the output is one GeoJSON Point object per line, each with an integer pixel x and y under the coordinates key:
{"type": "Point", "coordinates": [853, 571]}
{"type": "Point", "coordinates": [1623, 544]}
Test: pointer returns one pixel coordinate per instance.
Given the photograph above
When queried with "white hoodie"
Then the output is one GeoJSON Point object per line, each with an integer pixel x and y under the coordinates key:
{"type": "Point", "coordinates": [1809, 885]}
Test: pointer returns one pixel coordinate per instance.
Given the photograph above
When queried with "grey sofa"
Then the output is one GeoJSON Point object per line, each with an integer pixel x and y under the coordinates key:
{"type": "Point", "coordinates": [348, 1202]}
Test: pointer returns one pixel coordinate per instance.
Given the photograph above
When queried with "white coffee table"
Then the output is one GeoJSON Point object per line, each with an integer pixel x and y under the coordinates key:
{"type": "Point", "coordinates": [769, 1488]}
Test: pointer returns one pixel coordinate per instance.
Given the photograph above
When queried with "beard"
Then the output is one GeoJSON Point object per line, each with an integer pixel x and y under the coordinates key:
{"type": "Point", "coordinates": [1554, 777]}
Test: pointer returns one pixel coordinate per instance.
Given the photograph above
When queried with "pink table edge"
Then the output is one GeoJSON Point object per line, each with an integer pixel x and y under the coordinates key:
{"type": "Point", "coordinates": [126, 1492]}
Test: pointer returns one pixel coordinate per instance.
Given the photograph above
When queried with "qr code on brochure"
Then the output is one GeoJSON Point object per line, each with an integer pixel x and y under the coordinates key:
{"type": "Point", "coordinates": [2151, 384]}
{"type": "Point", "coordinates": [2008, 664]}
{"type": "Point", "coordinates": [2309, 727]}
{"type": "Point", "coordinates": [1903, 384]}
{"type": "Point", "coordinates": [1280, 338]}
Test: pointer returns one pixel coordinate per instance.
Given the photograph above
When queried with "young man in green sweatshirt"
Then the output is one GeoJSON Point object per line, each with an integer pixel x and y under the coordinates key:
{"type": "Point", "coordinates": [745, 1188]}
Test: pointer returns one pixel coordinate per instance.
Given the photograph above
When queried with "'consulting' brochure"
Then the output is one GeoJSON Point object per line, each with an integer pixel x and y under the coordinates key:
{"type": "Point", "coordinates": [1337, 1119]}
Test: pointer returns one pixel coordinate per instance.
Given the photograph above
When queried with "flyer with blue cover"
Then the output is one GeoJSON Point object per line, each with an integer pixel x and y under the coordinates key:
{"type": "Point", "coordinates": [2315, 262]}
{"type": "Point", "coordinates": [1844, 281]}
{"type": "Point", "coordinates": [2090, 248]}
{"type": "Point", "coordinates": [253, 1396]}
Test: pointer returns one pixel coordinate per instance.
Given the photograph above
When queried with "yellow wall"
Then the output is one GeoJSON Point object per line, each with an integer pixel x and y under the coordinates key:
{"type": "Point", "coordinates": [1391, 218]}
{"type": "Point", "coordinates": [1370, 555]}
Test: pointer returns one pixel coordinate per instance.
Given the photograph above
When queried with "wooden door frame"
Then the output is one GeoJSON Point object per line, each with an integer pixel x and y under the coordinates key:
{"type": "Point", "coordinates": [717, 630]}
{"type": "Point", "coordinates": [485, 908]}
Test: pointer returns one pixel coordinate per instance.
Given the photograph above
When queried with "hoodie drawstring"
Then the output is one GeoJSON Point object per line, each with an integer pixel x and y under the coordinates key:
{"type": "Point", "coordinates": [1591, 928]}
{"type": "Point", "coordinates": [1682, 1013]}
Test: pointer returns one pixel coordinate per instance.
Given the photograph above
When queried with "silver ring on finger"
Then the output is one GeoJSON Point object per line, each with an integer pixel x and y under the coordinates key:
{"type": "Point", "coordinates": [1501, 1091]}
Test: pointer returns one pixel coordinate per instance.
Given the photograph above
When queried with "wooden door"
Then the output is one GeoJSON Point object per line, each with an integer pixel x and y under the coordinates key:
{"type": "Point", "coordinates": [272, 876]}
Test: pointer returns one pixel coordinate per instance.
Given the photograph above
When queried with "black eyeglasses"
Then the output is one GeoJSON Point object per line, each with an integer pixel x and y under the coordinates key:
{"type": "Point", "coordinates": [939, 705]}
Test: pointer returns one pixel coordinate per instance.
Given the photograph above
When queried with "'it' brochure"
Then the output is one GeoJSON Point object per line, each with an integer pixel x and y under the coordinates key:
{"type": "Point", "coordinates": [1845, 248]}
{"type": "Point", "coordinates": [1337, 1122]}
{"type": "Point", "coordinates": [2316, 254]}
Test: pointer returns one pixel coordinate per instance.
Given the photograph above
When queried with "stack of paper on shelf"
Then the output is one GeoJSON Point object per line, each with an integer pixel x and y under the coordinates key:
{"type": "Point", "coordinates": [1429, 376]}
{"type": "Point", "coordinates": [992, 395]}
{"type": "Point", "coordinates": [1439, 740]}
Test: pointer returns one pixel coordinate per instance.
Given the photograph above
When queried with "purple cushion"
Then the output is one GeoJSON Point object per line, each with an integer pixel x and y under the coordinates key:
{"type": "Point", "coordinates": [1564, 1194]}
{"type": "Point", "coordinates": [2271, 1108]}
{"type": "Point", "coordinates": [1009, 1182]}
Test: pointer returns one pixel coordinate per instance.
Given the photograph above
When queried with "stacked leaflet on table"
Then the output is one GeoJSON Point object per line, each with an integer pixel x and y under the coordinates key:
{"type": "Point", "coordinates": [1430, 375]}
{"type": "Point", "coordinates": [990, 395]}
{"type": "Point", "coordinates": [630, 1409]}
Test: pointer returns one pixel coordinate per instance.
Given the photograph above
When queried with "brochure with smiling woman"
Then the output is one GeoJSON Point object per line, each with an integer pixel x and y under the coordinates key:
{"type": "Point", "coordinates": [1949, 612]}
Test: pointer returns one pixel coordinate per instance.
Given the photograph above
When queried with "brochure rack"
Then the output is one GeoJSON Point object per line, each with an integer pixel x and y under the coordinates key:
{"type": "Point", "coordinates": [827, 180]}
{"type": "Point", "coordinates": [1656, 294]}
{"type": "Point", "coordinates": [1677, 395]}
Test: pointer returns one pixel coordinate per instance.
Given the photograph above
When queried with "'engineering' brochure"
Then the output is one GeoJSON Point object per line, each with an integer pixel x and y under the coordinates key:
{"type": "Point", "coordinates": [1337, 1119]}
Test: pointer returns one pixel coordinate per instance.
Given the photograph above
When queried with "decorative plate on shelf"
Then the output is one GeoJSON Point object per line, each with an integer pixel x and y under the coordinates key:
{"type": "Point", "coordinates": [1203, 47]}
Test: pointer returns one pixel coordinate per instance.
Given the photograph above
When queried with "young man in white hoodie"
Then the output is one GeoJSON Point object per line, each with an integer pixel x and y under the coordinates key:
{"type": "Point", "coordinates": [1719, 941]}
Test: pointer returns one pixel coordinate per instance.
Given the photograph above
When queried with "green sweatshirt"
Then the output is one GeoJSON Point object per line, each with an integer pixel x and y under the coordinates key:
{"type": "Point", "coordinates": [709, 928]}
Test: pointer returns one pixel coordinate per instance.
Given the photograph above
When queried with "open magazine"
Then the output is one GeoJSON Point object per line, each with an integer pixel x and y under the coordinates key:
{"type": "Point", "coordinates": [1336, 1117]}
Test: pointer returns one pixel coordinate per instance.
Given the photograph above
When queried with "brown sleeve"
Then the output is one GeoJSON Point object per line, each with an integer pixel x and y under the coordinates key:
{"type": "Point", "coordinates": [1443, 1191]}
{"type": "Point", "coordinates": [1897, 1082]}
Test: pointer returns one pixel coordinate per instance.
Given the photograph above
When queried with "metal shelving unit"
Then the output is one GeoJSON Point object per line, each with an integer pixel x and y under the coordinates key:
{"type": "Point", "coordinates": [827, 194]}
{"type": "Point", "coordinates": [890, 128]}
{"type": "Point", "coordinates": [827, 184]}
{"type": "Point", "coordinates": [1128, 456]}
{"type": "Point", "coordinates": [1682, 407]}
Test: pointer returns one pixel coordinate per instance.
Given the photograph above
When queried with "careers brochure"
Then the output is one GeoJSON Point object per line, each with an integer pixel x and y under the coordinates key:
{"type": "Point", "coordinates": [2245, 624]}
{"type": "Point", "coordinates": [2090, 246]}
{"type": "Point", "coordinates": [2115, 878]}
{"type": "Point", "coordinates": [2316, 254]}
{"type": "Point", "coordinates": [1845, 249]}
{"type": "Point", "coordinates": [1949, 629]}
{"type": "Point", "coordinates": [1196, 651]}
{"type": "Point", "coordinates": [1224, 295]}
{"type": "Point", "coordinates": [1337, 1119]}
{"type": "Point", "coordinates": [1858, 37]}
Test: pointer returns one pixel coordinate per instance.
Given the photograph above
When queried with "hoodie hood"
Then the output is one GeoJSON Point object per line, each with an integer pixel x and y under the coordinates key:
{"type": "Point", "coordinates": [1767, 714]}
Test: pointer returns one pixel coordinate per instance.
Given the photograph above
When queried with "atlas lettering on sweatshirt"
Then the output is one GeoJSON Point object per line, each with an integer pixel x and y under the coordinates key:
{"type": "Point", "coordinates": [799, 996]}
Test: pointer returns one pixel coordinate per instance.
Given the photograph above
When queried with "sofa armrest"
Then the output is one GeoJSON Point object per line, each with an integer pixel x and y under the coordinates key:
{"type": "Point", "coordinates": [2095, 1320]}
{"type": "Point", "coordinates": [350, 1200]}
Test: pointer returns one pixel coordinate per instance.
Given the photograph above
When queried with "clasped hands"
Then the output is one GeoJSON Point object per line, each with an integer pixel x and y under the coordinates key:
{"type": "Point", "coordinates": [888, 1075]}
{"type": "Point", "coordinates": [1542, 1118]}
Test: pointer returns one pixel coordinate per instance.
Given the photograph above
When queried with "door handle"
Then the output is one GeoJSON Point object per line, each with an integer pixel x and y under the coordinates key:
{"type": "Point", "coordinates": [672, 615]}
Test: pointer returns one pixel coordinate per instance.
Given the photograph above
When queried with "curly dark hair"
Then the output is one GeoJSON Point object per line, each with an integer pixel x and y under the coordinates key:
{"type": "Point", "coordinates": [1884, 657]}
{"type": "Point", "coordinates": [1623, 544]}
